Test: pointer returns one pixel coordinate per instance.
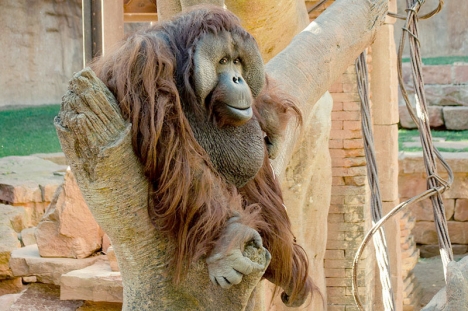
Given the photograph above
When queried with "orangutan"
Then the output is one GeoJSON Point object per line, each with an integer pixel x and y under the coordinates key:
{"type": "Point", "coordinates": [205, 121]}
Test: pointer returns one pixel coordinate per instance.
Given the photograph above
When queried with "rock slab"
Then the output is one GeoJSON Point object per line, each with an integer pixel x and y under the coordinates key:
{"type": "Point", "coordinates": [29, 182]}
{"type": "Point", "coordinates": [68, 228]}
{"type": "Point", "coordinates": [96, 283]}
{"type": "Point", "coordinates": [12, 221]}
{"type": "Point", "coordinates": [26, 261]}
{"type": "Point", "coordinates": [43, 297]}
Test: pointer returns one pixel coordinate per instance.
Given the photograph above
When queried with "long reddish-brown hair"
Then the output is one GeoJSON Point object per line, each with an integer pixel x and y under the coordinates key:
{"type": "Point", "coordinates": [151, 75]}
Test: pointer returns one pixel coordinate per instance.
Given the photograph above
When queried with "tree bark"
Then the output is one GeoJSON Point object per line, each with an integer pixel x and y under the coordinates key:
{"type": "Point", "coordinates": [96, 141]}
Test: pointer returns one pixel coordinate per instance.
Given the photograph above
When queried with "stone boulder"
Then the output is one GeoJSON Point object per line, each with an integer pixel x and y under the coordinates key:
{"type": "Point", "coordinates": [29, 182]}
{"type": "Point", "coordinates": [68, 228]}
{"type": "Point", "coordinates": [26, 262]}
{"type": "Point", "coordinates": [112, 259]}
{"type": "Point", "coordinates": [453, 296]}
{"type": "Point", "coordinates": [8, 242]}
{"type": "Point", "coordinates": [12, 221]}
{"type": "Point", "coordinates": [456, 118]}
{"type": "Point", "coordinates": [28, 236]}
{"type": "Point", "coordinates": [95, 283]}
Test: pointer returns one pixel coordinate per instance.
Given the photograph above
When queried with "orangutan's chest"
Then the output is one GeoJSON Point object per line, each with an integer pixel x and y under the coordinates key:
{"type": "Point", "coordinates": [237, 153]}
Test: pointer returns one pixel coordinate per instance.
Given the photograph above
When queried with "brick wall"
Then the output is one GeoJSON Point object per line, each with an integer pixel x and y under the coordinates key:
{"type": "Point", "coordinates": [349, 216]}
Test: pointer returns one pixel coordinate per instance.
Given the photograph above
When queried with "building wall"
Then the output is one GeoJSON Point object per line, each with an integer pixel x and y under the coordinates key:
{"type": "Point", "coordinates": [445, 34]}
{"type": "Point", "coordinates": [41, 48]}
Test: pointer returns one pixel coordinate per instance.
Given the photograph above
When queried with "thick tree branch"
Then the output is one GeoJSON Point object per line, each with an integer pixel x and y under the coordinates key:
{"type": "Point", "coordinates": [96, 141]}
{"type": "Point", "coordinates": [318, 55]}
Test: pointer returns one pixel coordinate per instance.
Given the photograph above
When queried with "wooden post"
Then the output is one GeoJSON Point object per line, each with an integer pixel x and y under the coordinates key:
{"type": "Point", "coordinates": [103, 22]}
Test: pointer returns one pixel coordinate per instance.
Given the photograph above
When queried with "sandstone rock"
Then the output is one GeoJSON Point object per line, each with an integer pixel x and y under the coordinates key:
{"type": "Point", "coordinates": [7, 300]}
{"type": "Point", "coordinates": [26, 261]}
{"type": "Point", "coordinates": [12, 221]}
{"type": "Point", "coordinates": [68, 228]}
{"type": "Point", "coordinates": [461, 210]}
{"type": "Point", "coordinates": [425, 233]}
{"type": "Point", "coordinates": [428, 251]}
{"type": "Point", "coordinates": [459, 188]}
{"type": "Point", "coordinates": [46, 36]}
{"type": "Point", "coordinates": [458, 161]}
{"type": "Point", "coordinates": [112, 259]}
{"type": "Point", "coordinates": [453, 296]}
{"type": "Point", "coordinates": [57, 157]}
{"type": "Point", "coordinates": [106, 243]}
{"type": "Point", "coordinates": [14, 217]}
{"type": "Point", "coordinates": [437, 74]}
{"type": "Point", "coordinates": [458, 232]}
{"type": "Point", "coordinates": [411, 185]}
{"type": "Point", "coordinates": [30, 279]}
{"type": "Point", "coordinates": [28, 236]}
{"type": "Point", "coordinates": [385, 146]}
{"type": "Point", "coordinates": [41, 297]}
{"type": "Point", "coordinates": [30, 182]}
{"type": "Point", "coordinates": [96, 283]}
{"type": "Point", "coordinates": [11, 286]}
{"type": "Point", "coordinates": [456, 118]}
{"type": "Point", "coordinates": [423, 210]}
{"type": "Point", "coordinates": [8, 242]}
{"type": "Point", "coordinates": [460, 73]}
{"type": "Point", "coordinates": [436, 118]}
{"type": "Point", "coordinates": [100, 306]}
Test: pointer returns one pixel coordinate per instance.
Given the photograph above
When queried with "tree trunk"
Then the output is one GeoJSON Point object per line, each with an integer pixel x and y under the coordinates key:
{"type": "Point", "coordinates": [96, 141]}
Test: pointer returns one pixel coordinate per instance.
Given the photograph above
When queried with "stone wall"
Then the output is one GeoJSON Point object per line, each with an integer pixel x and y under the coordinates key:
{"type": "Point", "coordinates": [446, 92]}
{"type": "Point", "coordinates": [445, 34]}
{"type": "Point", "coordinates": [412, 181]}
{"type": "Point", "coordinates": [349, 217]}
{"type": "Point", "coordinates": [41, 48]}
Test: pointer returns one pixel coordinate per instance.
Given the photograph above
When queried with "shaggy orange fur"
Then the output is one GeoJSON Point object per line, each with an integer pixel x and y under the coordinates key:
{"type": "Point", "coordinates": [188, 199]}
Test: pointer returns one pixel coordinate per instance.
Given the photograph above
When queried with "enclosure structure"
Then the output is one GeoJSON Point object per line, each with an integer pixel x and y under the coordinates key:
{"type": "Point", "coordinates": [306, 192]}
{"type": "Point", "coordinates": [349, 216]}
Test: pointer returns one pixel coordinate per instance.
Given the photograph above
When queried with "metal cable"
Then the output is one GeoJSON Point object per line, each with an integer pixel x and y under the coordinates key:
{"type": "Point", "coordinates": [421, 118]}
{"type": "Point", "coordinates": [380, 244]}
{"type": "Point", "coordinates": [436, 184]}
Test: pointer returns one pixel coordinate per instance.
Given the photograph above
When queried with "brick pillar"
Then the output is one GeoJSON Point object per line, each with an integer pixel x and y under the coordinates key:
{"type": "Point", "coordinates": [349, 216]}
{"type": "Point", "coordinates": [384, 89]}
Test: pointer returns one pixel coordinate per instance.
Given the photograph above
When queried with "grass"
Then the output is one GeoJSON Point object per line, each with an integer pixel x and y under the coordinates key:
{"type": "Point", "coordinates": [28, 130]}
{"type": "Point", "coordinates": [445, 60]}
{"type": "Point", "coordinates": [410, 135]}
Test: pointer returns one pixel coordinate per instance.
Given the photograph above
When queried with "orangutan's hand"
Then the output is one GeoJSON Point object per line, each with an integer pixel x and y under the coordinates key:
{"type": "Point", "coordinates": [227, 263]}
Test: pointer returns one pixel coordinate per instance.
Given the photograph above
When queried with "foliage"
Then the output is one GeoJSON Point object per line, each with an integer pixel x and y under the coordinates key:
{"type": "Point", "coordinates": [28, 130]}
